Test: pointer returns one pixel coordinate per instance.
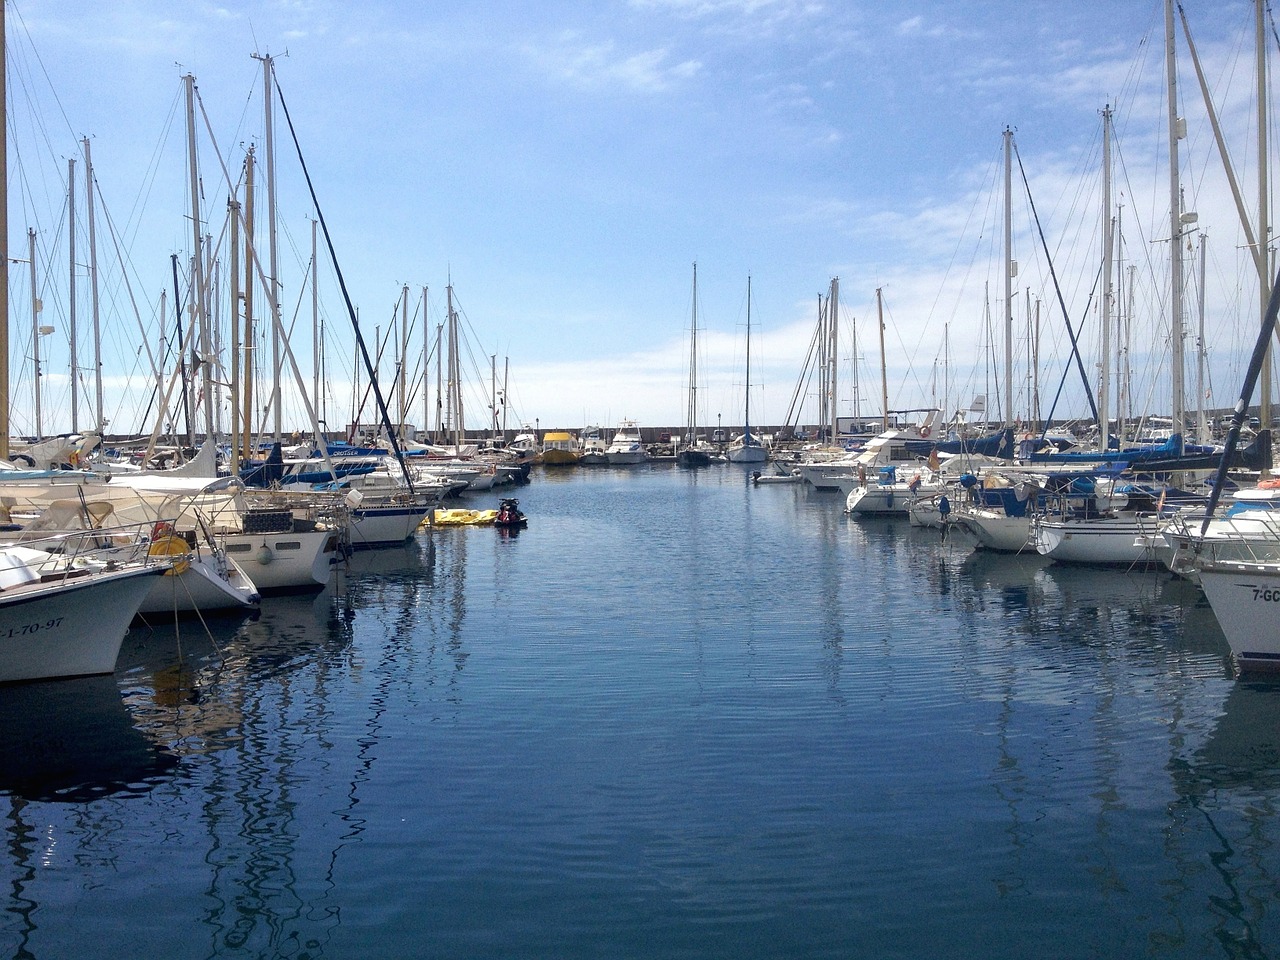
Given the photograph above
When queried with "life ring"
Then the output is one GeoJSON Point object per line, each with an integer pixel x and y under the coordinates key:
{"type": "Point", "coordinates": [925, 431]}
{"type": "Point", "coordinates": [172, 545]}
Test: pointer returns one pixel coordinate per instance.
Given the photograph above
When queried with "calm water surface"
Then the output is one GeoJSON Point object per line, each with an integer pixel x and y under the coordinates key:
{"type": "Point", "coordinates": [678, 716]}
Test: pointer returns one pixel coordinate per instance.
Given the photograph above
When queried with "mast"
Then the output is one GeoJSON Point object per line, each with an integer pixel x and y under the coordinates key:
{"type": "Point", "coordinates": [1177, 130]}
{"type": "Point", "coordinates": [71, 293]}
{"type": "Point", "coordinates": [162, 343]}
{"type": "Point", "coordinates": [439, 432]}
{"type": "Point", "coordinates": [196, 299]}
{"type": "Point", "coordinates": [4, 249]}
{"type": "Point", "coordinates": [691, 415]}
{"type": "Point", "coordinates": [268, 99]}
{"type": "Point", "coordinates": [1264, 228]}
{"type": "Point", "coordinates": [853, 376]}
{"type": "Point", "coordinates": [93, 291]}
{"type": "Point", "coordinates": [834, 355]}
{"type": "Point", "coordinates": [455, 389]}
{"type": "Point", "coordinates": [1202, 421]}
{"type": "Point", "coordinates": [426, 355]}
{"type": "Point", "coordinates": [35, 327]}
{"type": "Point", "coordinates": [1010, 268]}
{"type": "Point", "coordinates": [746, 411]}
{"type": "Point", "coordinates": [233, 211]}
{"type": "Point", "coordinates": [1104, 381]}
{"type": "Point", "coordinates": [401, 400]}
{"type": "Point", "coordinates": [248, 302]}
{"type": "Point", "coordinates": [1035, 371]}
{"type": "Point", "coordinates": [884, 375]}
{"type": "Point", "coordinates": [506, 383]}
{"type": "Point", "coordinates": [315, 325]}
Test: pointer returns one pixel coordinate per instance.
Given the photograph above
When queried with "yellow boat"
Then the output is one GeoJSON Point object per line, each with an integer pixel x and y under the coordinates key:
{"type": "Point", "coordinates": [560, 448]}
{"type": "Point", "coordinates": [463, 518]}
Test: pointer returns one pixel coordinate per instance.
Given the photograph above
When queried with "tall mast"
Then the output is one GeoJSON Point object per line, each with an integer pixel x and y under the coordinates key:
{"type": "Point", "coordinates": [439, 432]}
{"type": "Point", "coordinates": [198, 319]}
{"type": "Point", "coordinates": [1264, 228]}
{"type": "Point", "coordinates": [426, 353]}
{"type": "Point", "coordinates": [93, 290]}
{"type": "Point", "coordinates": [506, 383]}
{"type": "Point", "coordinates": [455, 388]}
{"type": "Point", "coordinates": [247, 410]}
{"type": "Point", "coordinates": [401, 396]}
{"type": "Point", "coordinates": [1104, 381]}
{"type": "Point", "coordinates": [4, 249]}
{"type": "Point", "coordinates": [233, 215]}
{"type": "Point", "coordinates": [1202, 421]}
{"type": "Point", "coordinates": [268, 99]}
{"type": "Point", "coordinates": [884, 375]}
{"type": "Point", "coordinates": [35, 326]}
{"type": "Point", "coordinates": [162, 343]}
{"type": "Point", "coordinates": [315, 323]}
{"type": "Point", "coordinates": [853, 376]}
{"type": "Point", "coordinates": [71, 293]}
{"type": "Point", "coordinates": [834, 356]}
{"type": "Point", "coordinates": [1177, 130]}
{"type": "Point", "coordinates": [493, 399]}
{"type": "Point", "coordinates": [746, 411]}
{"type": "Point", "coordinates": [1010, 268]}
{"type": "Point", "coordinates": [426, 376]}
{"type": "Point", "coordinates": [691, 417]}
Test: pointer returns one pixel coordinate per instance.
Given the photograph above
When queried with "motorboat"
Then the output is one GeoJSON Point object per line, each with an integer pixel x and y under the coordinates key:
{"type": "Point", "coordinates": [560, 448]}
{"type": "Point", "coordinates": [627, 447]}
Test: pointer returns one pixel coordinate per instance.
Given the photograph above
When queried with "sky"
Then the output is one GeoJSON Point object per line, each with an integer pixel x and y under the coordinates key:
{"type": "Point", "coordinates": [563, 165]}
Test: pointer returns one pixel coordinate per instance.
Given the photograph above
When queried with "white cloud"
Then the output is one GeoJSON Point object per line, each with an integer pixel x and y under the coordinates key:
{"type": "Point", "coordinates": [601, 65]}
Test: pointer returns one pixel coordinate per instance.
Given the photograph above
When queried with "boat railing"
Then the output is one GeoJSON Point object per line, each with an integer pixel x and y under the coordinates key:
{"type": "Point", "coordinates": [70, 553]}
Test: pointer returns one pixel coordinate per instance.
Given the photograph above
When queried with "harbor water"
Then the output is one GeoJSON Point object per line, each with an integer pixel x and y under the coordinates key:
{"type": "Point", "coordinates": [677, 716]}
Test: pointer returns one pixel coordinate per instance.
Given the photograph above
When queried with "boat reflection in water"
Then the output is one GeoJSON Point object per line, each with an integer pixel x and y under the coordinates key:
{"type": "Point", "coordinates": [75, 741]}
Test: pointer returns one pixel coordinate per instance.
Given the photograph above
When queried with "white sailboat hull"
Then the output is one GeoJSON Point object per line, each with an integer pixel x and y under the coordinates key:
{"type": "Point", "coordinates": [747, 454]}
{"type": "Point", "coordinates": [69, 628]}
{"type": "Point", "coordinates": [1245, 598]}
{"type": "Point", "coordinates": [200, 587]}
{"type": "Point", "coordinates": [995, 531]}
{"type": "Point", "coordinates": [382, 525]}
{"type": "Point", "coordinates": [1113, 541]}
{"type": "Point", "coordinates": [285, 561]}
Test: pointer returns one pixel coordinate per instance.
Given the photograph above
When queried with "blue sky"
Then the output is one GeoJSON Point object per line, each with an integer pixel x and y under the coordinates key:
{"type": "Point", "coordinates": [564, 164]}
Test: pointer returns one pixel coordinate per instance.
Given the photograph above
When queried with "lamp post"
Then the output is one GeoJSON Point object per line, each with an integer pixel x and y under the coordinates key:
{"type": "Point", "coordinates": [719, 430]}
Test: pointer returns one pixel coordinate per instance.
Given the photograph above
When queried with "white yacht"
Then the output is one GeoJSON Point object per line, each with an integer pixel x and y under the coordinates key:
{"type": "Point", "coordinates": [627, 447]}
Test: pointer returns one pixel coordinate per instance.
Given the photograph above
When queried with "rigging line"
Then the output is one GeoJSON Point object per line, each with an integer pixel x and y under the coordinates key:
{"type": "Point", "coordinates": [115, 241]}
{"type": "Point", "coordinates": [1256, 362]}
{"type": "Point", "coordinates": [36, 53]}
{"type": "Point", "coordinates": [806, 375]}
{"type": "Point", "coordinates": [346, 296]}
{"type": "Point", "coordinates": [1075, 346]}
{"type": "Point", "coordinates": [271, 300]}
{"type": "Point", "coordinates": [1062, 383]}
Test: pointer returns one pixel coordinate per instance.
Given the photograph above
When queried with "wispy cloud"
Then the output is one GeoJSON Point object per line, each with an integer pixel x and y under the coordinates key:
{"type": "Point", "coordinates": [601, 65]}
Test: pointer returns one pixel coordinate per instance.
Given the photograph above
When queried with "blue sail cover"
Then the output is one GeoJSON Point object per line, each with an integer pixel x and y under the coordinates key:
{"type": "Point", "coordinates": [999, 444]}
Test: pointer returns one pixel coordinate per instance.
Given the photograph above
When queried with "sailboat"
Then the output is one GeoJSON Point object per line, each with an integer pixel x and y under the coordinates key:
{"type": "Point", "coordinates": [692, 453]}
{"type": "Point", "coordinates": [747, 448]}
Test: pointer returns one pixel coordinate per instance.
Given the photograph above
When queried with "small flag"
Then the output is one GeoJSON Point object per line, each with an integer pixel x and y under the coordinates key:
{"type": "Point", "coordinates": [934, 462]}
